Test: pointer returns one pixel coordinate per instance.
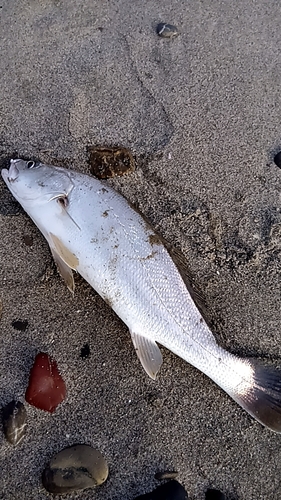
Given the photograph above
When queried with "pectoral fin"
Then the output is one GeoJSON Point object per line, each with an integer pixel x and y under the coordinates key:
{"type": "Point", "coordinates": [64, 270]}
{"type": "Point", "coordinates": [64, 259]}
{"type": "Point", "coordinates": [148, 353]}
{"type": "Point", "coordinates": [66, 255]}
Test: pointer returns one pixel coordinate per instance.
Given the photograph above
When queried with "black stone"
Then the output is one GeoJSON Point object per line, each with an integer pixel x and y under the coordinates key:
{"type": "Point", "coordinates": [14, 421]}
{"type": "Point", "coordinates": [167, 30]}
{"type": "Point", "coordinates": [85, 351]}
{"type": "Point", "coordinates": [74, 469]}
{"type": "Point", "coordinates": [28, 240]}
{"type": "Point", "coordinates": [168, 491]}
{"type": "Point", "coordinates": [20, 325]}
{"type": "Point", "coordinates": [277, 159]}
{"type": "Point", "coordinates": [214, 495]}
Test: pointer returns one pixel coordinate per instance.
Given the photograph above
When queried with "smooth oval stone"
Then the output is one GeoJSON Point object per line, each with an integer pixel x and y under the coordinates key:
{"type": "Point", "coordinates": [106, 162]}
{"type": "Point", "coordinates": [277, 159]}
{"type": "Point", "coordinates": [75, 468]}
{"type": "Point", "coordinates": [214, 495]}
{"type": "Point", "coordinates": [14, 421]}
{"type": "Point", "coordinates": [166, 30]}
{"type": "Point", "coordinates": [168, 491]}
{"type": "Point", "coordinates": [46, 388]}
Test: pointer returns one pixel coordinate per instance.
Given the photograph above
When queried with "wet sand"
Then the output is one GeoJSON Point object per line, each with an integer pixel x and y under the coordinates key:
{"type": "Point", "coordinates": [201, 114]}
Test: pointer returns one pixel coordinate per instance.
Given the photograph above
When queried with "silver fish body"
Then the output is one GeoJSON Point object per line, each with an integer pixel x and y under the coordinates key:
{"type": "Point", "coordinates": [92, 229]}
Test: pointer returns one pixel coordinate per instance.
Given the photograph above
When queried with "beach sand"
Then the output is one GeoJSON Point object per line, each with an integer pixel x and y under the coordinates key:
{"type": "Point", "coordinates": [201, 115]}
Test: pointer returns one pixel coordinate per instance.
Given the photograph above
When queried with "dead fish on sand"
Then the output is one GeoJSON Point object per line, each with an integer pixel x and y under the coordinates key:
{"type": "Point", "coordinates": [93, 230]}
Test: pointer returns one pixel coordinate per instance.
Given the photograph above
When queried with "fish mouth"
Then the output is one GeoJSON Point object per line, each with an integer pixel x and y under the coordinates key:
{"type": "Point", "coordinates": [12, 174]}
{"type": "Point", "coordinates": [5, 174]}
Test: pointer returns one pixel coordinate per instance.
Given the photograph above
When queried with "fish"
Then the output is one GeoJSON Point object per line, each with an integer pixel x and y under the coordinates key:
{"type": "Point", "coordinates": [95, 231]}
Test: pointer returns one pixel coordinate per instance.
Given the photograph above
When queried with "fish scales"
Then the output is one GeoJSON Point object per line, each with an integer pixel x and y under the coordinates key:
{"type": "Point", "coordinates": [92, 229]}
{"type": "Point", "coordinates": [155, 291]}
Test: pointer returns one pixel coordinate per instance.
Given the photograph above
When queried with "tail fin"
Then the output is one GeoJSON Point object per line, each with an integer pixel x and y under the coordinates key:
{"type": "Point", "coordinates": [260, 394]}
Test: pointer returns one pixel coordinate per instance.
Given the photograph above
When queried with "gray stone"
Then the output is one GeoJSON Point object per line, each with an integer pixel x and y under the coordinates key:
{"type": "Point", "coordinates": [14, 421]}
{"type": "Point", "coordinates": [167, 30]}
{"type": "Point", "coordinates": [160, 476]}
{"type": "Point", "coordinates": [75, 468]}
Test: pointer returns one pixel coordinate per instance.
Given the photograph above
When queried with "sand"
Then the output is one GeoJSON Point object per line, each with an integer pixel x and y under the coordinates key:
{"type": "Point", "coordinates": [201, 114]}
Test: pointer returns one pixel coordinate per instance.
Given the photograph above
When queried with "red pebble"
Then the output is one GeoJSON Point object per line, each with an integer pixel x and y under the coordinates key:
{"type": "Point", "coordinates": [46, 388]}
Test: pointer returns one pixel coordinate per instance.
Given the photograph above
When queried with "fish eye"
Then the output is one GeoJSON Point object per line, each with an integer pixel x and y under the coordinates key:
{"type": "Point", "coordinates": [30, 164]}
{"type": "Point", "coordinates": [63, 201]}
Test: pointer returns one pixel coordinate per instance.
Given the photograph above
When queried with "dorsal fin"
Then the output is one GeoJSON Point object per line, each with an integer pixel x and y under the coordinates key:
{"type": "Point", "coordinates": [181, 264]}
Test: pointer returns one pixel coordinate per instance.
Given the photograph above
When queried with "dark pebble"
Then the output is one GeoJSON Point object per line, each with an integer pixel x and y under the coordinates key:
{"type": "Point", "coordinates": [28, 240]}
{"type": "Point", "coordinates": [160, 476]}
{"type": "Point", "coordinates": [214, 495]}
{"type": "Point", "coordinates": [106, 162]}
{"type": "Point", "coordinates": [85, 351]}
{"type": "Point", "coordinates": [75, 468]}
{"type": "Point", "coordinates": [168, 491]}
{"type": "Point", "coordinates": [14, 421]}
{"type": "Point", "coordinates": [20, 325]}
{"type": "Point", "coordinates": [277, 159]}
{"type": "Point", "coordinates": [167, 30]}
{"type": "Point", "coordinates": [46, 388]}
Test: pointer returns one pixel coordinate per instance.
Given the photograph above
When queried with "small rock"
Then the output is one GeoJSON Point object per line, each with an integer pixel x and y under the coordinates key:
{"type": "Point", "coordinates": [277, 159]}
{"type": "Point", "coordinates": [85, 351]}
{"type": "Point", "coordinates": [106, 162]}
{"type": "Point", "coordinates": [20, 325]}
{"type": "Point", "coordinates": [167, 30]}
{"type": "Point", "coordinates": [14, 421]}
{"type": "Point", "coordinates": [28, 240]}
{"type": "Point", "coordinates": [75, 468]}
{"type": "Point", "coordinates": [168, 491]}
{"type": "Point", "coordinates": [46, 388]}
{"type": "Point", "coordinates": [214, 495]}
{"type": "Point", "coordinates": [160, 476]}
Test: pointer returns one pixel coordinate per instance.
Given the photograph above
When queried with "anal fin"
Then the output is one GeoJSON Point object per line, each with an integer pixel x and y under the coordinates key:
{"type": "Point", "coordinates": [148, 353]}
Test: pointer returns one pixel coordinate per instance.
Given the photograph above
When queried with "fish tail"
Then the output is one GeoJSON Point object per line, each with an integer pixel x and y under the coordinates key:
{"type": "Point", "coordinates": [259, 392]}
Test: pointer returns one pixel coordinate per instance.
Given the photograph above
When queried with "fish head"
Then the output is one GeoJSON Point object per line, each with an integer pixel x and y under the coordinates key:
{"type": "Point", "coordinates": [34, 183]}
